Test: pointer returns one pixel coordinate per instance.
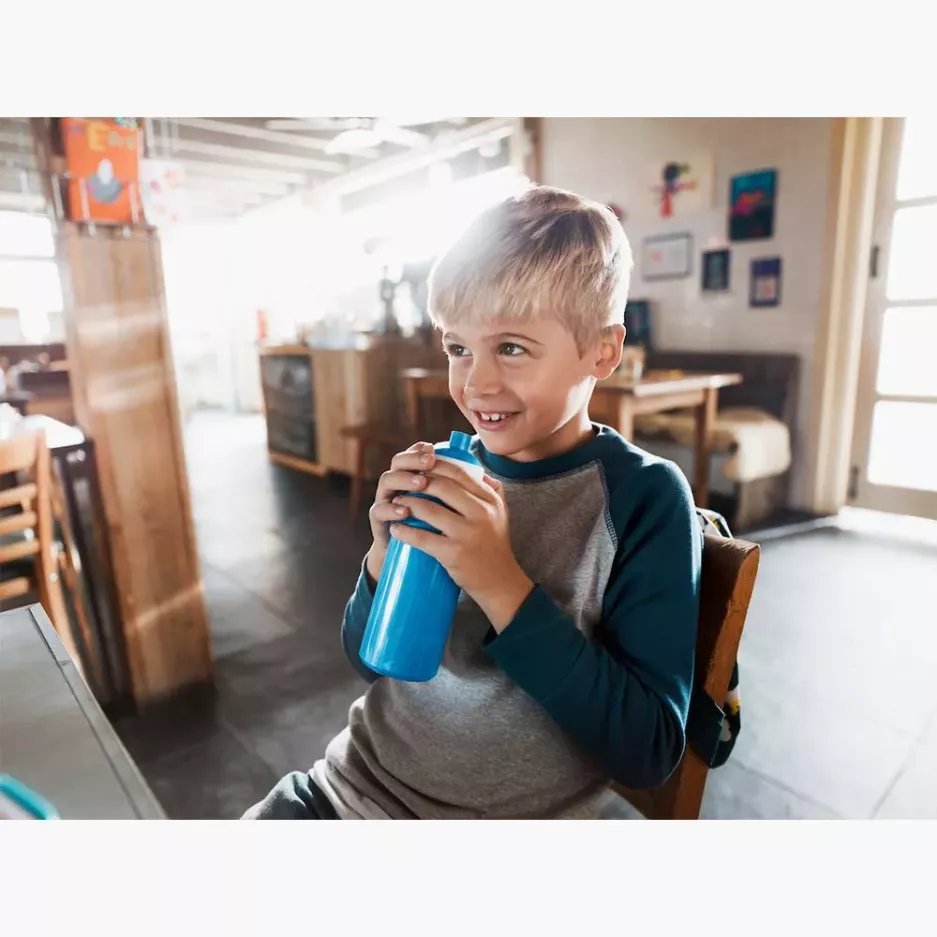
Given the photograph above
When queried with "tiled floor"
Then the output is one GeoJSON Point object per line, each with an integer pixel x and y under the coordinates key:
{"type": "Point", "coordinates": [839, 701]}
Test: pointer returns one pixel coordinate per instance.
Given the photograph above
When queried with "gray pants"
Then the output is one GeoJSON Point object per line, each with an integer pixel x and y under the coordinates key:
{"type": "Point", "coordinates": [295, 797]}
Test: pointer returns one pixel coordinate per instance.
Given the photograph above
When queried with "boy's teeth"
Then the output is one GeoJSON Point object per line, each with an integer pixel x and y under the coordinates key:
{"type": "Point", "coordinates": [492, 417]}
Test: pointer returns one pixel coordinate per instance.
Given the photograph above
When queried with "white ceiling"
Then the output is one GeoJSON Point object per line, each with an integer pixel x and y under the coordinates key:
{"type": "Point", "coordinates": [233, 165]}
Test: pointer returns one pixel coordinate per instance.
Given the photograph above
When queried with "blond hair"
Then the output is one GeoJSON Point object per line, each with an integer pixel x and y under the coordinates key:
{"type": "Point", "coordinates": [545, 252]}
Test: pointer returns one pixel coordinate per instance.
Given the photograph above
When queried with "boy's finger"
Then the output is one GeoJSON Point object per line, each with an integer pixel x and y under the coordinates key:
{"type": "Point", "coordinates": [455, 495]}
{"type": "Point", "coordinates": [395, 481]}
{"type": "Point", "coordinates": [425, 540]}
{"type": "Point", "coordinates": [444, 469]}
{"type": "Point", "coordinates": [386, 513]}
{"type": "Point", "coordinates": [495, 484]}
{"type": "Point", "coordinates": [421, 447]}
{"type": "Point", "coordinates": [416, 460]}
{"type": "Point", "coordinates": [436, 515]}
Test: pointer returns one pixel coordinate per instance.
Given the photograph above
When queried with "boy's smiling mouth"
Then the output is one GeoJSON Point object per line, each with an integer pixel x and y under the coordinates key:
{"type": "Point", "coordinates": [492, 420]}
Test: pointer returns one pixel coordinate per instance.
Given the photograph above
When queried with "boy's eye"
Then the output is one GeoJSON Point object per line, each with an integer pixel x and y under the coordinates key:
{"type": "Point", "coordinates": [511, 349]}
{"type": "Point", "coordinates": [456, 351]}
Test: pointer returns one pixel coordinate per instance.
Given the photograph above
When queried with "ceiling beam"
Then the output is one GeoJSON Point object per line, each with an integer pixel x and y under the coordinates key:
{"type": "Point", "coordinates": [244, 172]}
{"type": "Point", "coordinates": [212, 183]}
{"type": "Point", "coordinates": [442, 148]}
{"type": "Point", "coordinates": [205, 197]}
{"type": "Point", "coordinates": [253, 133]}
{"type": "Point", "coordinates": [181, 144]}
{"type": "Point", "coordinates": [16, 180]}
{"type": "Point", "coordinates": [20, 201]}
{"type": "Point", "coordinates": [17, 138]}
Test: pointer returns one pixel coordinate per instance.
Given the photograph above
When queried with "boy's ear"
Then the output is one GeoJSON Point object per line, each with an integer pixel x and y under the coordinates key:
{"type": "Point", "coordinates": [609, 352]}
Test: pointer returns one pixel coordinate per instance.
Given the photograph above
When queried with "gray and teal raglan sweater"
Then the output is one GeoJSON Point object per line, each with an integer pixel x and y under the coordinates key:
{"type": "Point", "coordinates": [590, 681]}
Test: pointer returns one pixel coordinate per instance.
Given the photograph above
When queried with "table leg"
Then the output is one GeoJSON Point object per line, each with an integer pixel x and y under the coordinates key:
{"type": "Point", "coordinates": [705, 421]}
{"type": "Point", "coordinates": [411, 389]}
{"type": "Point", "coordinates": [626, 417]}
{"type": "Point", "coordinates": [357, 478]}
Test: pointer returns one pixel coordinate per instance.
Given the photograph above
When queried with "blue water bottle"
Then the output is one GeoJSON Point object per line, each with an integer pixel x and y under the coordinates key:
{"type": "Point", "coordinates": [416, 598]}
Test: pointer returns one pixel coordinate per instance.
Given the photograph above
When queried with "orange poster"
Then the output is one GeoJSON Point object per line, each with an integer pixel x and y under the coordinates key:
{"type": "Point", "coordinates": [103, 160]}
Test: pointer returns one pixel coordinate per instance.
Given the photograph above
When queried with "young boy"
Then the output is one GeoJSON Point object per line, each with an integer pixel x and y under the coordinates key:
{"type": "Point", "coordinates": [570, 661]}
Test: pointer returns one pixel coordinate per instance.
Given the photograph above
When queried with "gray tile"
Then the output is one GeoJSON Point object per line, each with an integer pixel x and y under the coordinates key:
{"type": "Point", "coordinates": [308, 591]}
{"type": "Point", "coordinates": [237, 618]}
{"type": "Point", "coordinates": [216, 780]}
{"type": "Point", "coordinates": [287, 699]}
{"type": "Point", "coordinates": [224, 546]}
{"type": "Point", "coordinates": [167, 728]}
{"type": "Point", "coordinates": [914, 794]}
{"type": "Point", "coordinates": [826, 753]}
{"type": "Point", "coordinates": [733, 792]}
{"type": "Point", "coordinates": [835, 665]}
{"type": "Point", "coordinates": [292, 737]}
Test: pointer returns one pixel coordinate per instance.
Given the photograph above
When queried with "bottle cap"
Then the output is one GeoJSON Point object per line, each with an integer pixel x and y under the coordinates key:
{"type": "Point", "coordinates": [459, 440]}
{"type": "Point", "coordinates": [458, 448]}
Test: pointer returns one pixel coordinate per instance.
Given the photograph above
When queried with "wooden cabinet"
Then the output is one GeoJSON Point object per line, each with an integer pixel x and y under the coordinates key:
{"type": "Point", "coordinates": [312, 392]}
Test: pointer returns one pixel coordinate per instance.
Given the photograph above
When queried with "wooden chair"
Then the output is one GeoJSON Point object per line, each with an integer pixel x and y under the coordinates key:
{"type": "Point", "coordinates": [28, 551]}
{"type": "Point", "coordinates": [727, 580]}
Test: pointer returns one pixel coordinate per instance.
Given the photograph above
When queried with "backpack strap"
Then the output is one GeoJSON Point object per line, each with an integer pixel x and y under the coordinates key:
{"type": "Point", "coordinates": [712, 729]}
{"type": "Point", "coordinates": [704, 726]}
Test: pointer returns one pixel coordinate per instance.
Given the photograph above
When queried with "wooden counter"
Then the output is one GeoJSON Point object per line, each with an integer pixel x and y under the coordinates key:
{"type": "Point", "coordinates": [312, 391]}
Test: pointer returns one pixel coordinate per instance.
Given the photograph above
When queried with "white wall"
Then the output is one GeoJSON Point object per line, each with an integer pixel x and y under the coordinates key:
{"type": "Point", "coordinates": [198, 266]}
{"type": "Point", "coordinates": [609, 159]}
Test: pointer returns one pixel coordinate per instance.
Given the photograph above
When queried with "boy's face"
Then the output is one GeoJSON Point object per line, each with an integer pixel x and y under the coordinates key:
{"type": "Point", "coordinates": [525, 387]}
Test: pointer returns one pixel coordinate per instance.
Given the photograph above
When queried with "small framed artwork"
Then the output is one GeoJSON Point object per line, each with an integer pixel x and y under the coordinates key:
{"type": "Point", "coordinates": [682, 186]}
{"type": "Point", "coordinates": [667, 257]}
{"type": "Point", "coordinates": [751, 205]}
{"type": "Point", "coordinates": [638, 323]}
{"type": "Point", "coordinates": [716, 270]}
{"type": "Point", "coordinates": [766, 282]}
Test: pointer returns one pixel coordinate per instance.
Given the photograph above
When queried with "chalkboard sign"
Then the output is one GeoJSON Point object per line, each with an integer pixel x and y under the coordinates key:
{"type": "Point", "coordinates": [288, 391]}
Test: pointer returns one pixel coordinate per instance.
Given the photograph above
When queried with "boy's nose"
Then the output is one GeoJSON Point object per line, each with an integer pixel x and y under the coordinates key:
{"type": "Point", "coordinates": [483, 380]}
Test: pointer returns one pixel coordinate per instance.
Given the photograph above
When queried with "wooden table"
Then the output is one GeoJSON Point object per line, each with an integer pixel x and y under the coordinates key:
{"type": "Point", "coordinates": [54, 737]}
{"type": "Point", "coordinates": [617, 401]}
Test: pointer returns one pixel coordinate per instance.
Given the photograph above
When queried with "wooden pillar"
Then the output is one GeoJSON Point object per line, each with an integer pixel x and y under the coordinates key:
{"type": "Point", "coordinates": [533, 160]}
{"type": "Point", "coordinates": [125, 399]}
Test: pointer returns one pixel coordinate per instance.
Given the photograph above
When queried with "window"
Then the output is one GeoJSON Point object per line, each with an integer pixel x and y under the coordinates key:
{"type": "Point", "coordinates": [29, 275]}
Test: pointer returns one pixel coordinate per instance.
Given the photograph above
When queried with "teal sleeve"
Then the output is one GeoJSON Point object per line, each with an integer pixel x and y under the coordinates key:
{"type": "Point", "coordinates": [354, 622]}
{"type": "Point", "coordinates": [624, 696]}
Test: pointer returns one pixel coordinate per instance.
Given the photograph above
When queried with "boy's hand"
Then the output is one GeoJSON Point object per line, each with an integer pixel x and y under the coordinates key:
{"type": "Point", "coordinates": [403, 475]}
{"type": "Point", "coordinates": [475, 546]}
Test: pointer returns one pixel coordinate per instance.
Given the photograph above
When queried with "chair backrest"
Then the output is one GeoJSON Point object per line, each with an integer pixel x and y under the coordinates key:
{"type": "Point", "coordinates": [726, 584]}
{"type": "Point", "coordinates": [26, 509]}
{"type": "Point", "coordinates": [25, 452]}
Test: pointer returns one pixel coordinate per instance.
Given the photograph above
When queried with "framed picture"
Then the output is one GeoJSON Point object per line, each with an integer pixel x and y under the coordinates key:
{"type": "Point", "coordinates": [103, 161]}
{"type": "Point", "coordinates": [682, 186]}
{"type": "Point", "coordinates": [638, 323]}
{"type": "Point", "coordinates": [766, 282]}
{"type": "Point", "coordinates": [751, 205]}
{"type": "Point", "coordinates": [716, 270]}
{"type": "Point", "coordinates": [667, 257]}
